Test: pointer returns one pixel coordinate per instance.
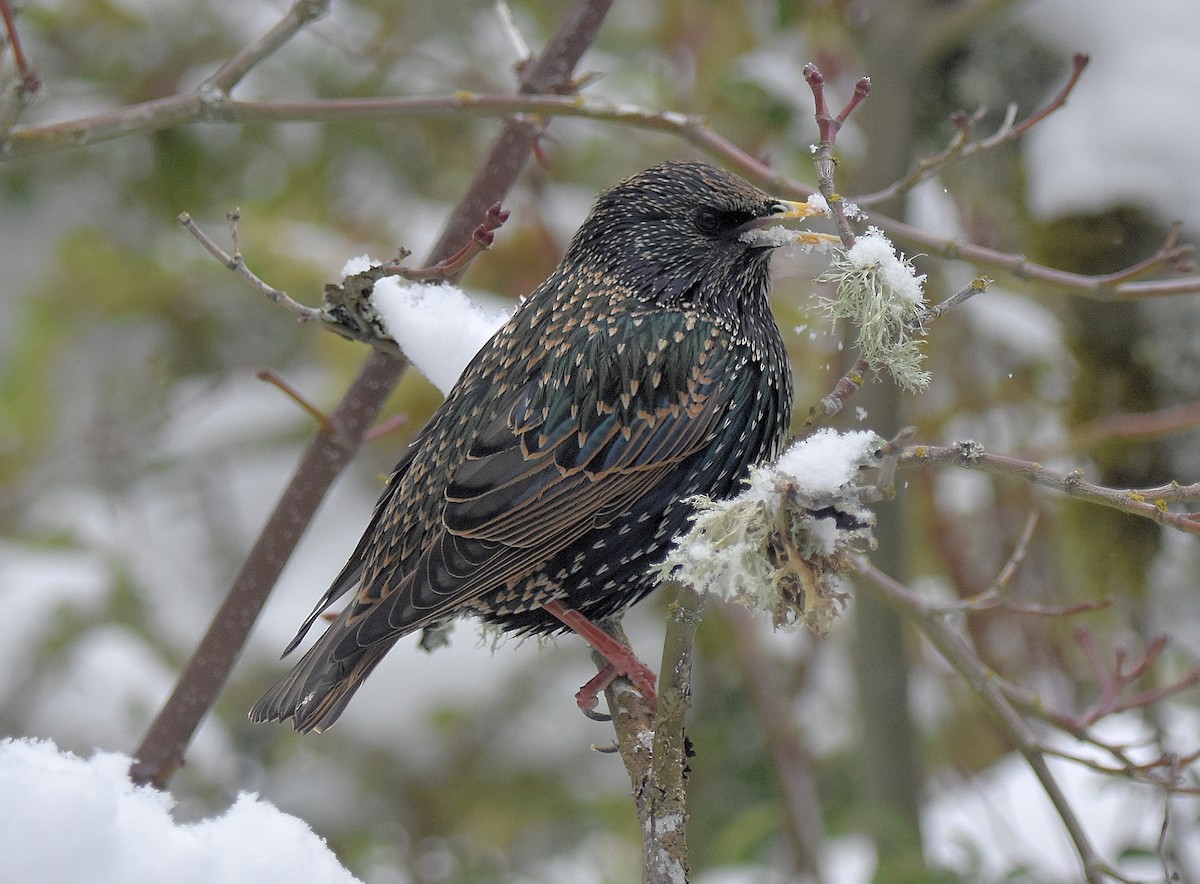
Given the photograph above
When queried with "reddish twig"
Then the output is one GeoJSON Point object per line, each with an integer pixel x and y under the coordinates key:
{"type": "Point", "coordinates": [296, 396]}
{"type": "Point", "coordinates": [961, 145]}
{"type": "Point", "coordinates": [988, 688]}
{"type": "Point", "coordinates": [30, 81]}
{"type": "Point", "coordinates": [1161, 772]}
{"type": "Point", "coordinates": [1079, 61]}
{"type": "Point", "coordinates": [481, 240]}
{"type": "Point", "coordinates": [1115, 681]}
{"type": "Point", "coordinates": [1036, 610]}
{"type": "Point", "coordinates": [828, 126]}
{"type": "Point", "coordinates": [391, 425]}
{"type": "Point", "coordinates": [1135, 426]}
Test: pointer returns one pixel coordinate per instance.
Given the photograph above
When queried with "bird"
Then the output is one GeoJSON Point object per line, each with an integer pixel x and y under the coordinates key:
{"type": "Point", "coordinates": [646, 369]}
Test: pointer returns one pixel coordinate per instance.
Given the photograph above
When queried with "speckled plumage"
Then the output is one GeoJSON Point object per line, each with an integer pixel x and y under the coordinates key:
{"type": "Point", "coordinates": [645, 369]}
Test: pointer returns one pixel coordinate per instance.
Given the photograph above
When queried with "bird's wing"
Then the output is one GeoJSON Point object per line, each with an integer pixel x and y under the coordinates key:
{"type": "Point", "coordinates": [578, 446]}
{"type": "Point", "coordinates": [351, 574]}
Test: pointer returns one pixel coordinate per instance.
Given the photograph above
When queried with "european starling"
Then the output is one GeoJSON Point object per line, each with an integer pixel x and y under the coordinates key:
{"type": "Point", "coordinates": [646, 369]}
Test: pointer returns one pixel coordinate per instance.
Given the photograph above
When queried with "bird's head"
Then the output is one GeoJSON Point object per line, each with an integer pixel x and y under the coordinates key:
{"type": "Point", "coordinates": [676, 233]}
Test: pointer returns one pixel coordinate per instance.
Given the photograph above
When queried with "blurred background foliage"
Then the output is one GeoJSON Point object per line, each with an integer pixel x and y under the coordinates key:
{"type": "Point", "coordinates": [138, 454]}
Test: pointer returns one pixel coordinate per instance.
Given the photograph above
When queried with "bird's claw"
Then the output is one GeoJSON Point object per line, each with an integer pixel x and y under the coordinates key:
{"type": "Point", "coordinates": [587, 698]}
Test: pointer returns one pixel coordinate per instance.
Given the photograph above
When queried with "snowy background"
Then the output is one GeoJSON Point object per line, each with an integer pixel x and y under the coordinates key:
{"type": "Point", "coordinates": [140, 455]}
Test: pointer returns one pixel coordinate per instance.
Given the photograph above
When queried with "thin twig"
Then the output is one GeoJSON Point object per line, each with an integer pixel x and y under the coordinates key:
{"type": "Point", "coordinates": [1104, 287]}
{"type": "Point", "coordinates": [835, 400]}
{"type": "Point", "coordinates": [509, 26]}
{"type": "Point", "coordinates": [301, 14]}
{"type": "Point", "coordinates": [391, 425]}
{"type": "Point", "coordinates": [1032, 706]}
{"type": "Point", "coordinates": [826, 164]}
{"type": "Point", "coordinates": [823, 157]}
{"type": "Point", "coordinates": [1132, 426]}
{"type": "Point", "coordinates": [481, 240]}
{"type": "Point", "coordinates": [994, 596]}
{"type": "Point", "coordinates": [30, 82]}
{"type": "Point", "coordinates": [1160, 773]}
{"type": "Point", "coordinates": [976, 286]}
{"type": "Point", "coordinates": [1114, 682]}
{"type": "Point", "coordinates": [237, 264]}
{"type": "Point", "coordinates": [961, 146]}
{"type": "Point", "coordinates": [982, 682]}
{"type": "Point", "coordinates": [296, 396]}
{"type": "Point", "coordinates": [1149, 503]}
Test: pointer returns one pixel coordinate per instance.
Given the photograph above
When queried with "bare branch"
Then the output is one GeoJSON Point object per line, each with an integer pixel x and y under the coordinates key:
{"type": "Point", "coordinates": [849, 383]}
{"type": "Point", "coordinates": [231, 73]}
{"type": "Point", "coordinates": [854, 379]}
{"type": "Point", "coordinates": [509, 26]}
{"type": "Point", "coordinates": [1149, 503]}
{"type": "Point", "coordinates": [976, 286]}
{"type": "Point", "coordinates": [654, 747]}
{"type": "Point", "coordinates": [481, 240]}
{"type": "Point", "coordinates": [961, 146]}
{"type": "Point", "coordinates": [296, 396]}
{"type": "Point", "coordinates": [237, 264]}
{"type": "Point", "coordinates": [1140, 425]}
{"type": "Point", "coordinates": [995, 596]}
{"type": "Point", "coordinates": [983, 684]}
{"type": "Point", "coordinates": [1105, 287]}
{"type": "Point", "coordinates": [29, 80]}
{"type": "Point", "coordinates": [834, 401]}
{"type": "Point", "coordinates": [214, 106]}
{"type": "Point", "coordinates": [823, 157]}
{"type": "Point", "coordinates": [1114, 682]}
{"type": "Point", "coordinates": [1162, 772]}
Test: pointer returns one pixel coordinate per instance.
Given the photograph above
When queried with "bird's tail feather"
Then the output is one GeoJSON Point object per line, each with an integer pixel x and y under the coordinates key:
{"type": "Point", "coordinates": [317, 690]}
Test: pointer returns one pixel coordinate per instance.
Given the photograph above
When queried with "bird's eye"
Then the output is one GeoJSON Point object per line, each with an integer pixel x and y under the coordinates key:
{"type": "Point", "coordinates": [708, 221]}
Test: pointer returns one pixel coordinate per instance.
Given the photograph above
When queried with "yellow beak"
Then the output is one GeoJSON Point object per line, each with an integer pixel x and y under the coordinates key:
{"type": "Point", "coordinates": [792, 209]}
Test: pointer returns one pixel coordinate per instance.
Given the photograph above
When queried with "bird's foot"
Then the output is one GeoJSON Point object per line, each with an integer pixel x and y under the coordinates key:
{"type": "Point", "coordinates": [622, 661]}
{"type": "Point", "coordinates": [587, 698]}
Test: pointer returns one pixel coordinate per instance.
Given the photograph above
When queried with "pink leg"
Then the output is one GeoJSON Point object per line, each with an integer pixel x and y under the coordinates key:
{"type": "Point", "coordinates": [621, 660]}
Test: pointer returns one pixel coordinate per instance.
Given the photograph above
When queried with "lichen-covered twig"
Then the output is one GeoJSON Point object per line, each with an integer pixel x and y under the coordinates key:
{"type": "Point", "coordinates": [1148, 503]}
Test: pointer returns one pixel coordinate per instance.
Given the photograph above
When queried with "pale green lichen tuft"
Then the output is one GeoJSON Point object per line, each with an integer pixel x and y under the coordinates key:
{"type": "Point", "coordinates": [881, 295]}
{"type": "Point", "coordinates": [777, 547]}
